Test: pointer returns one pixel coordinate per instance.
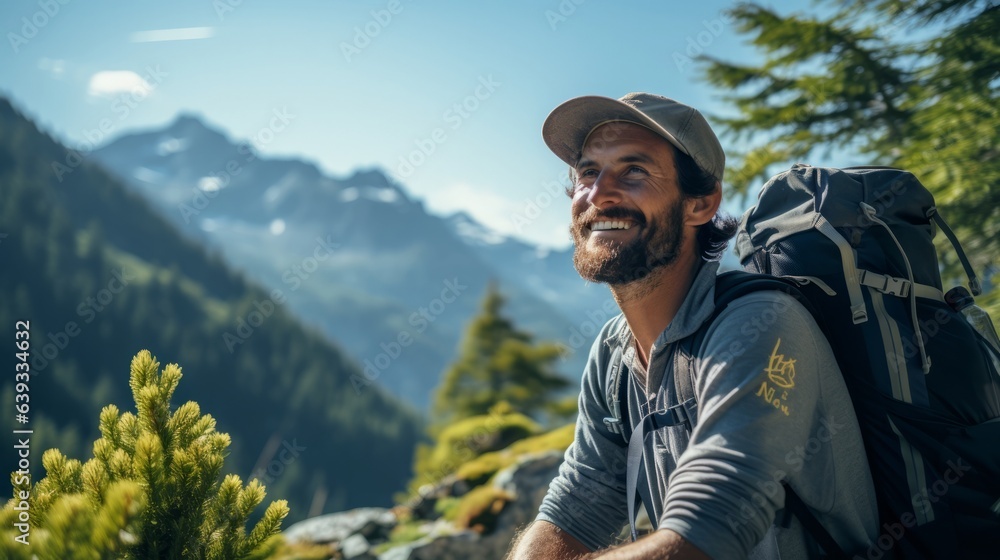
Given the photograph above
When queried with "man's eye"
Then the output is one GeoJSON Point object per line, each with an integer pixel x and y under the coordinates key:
{"type": "Point", "coordinates": [588, 173]}
{"type": "Point", "coordinates": [636, 169]}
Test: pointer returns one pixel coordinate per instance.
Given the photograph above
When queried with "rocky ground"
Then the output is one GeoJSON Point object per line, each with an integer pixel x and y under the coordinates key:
{"type": "Point", "coordinates": [424, 530]}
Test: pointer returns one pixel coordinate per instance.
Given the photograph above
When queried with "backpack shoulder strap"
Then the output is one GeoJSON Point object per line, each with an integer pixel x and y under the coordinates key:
{"type": "Point", "coordinates": [616, 396]}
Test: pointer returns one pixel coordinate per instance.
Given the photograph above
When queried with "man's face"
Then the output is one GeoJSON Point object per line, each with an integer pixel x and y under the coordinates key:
{"type": "Point", "coordinates": [627, 206]}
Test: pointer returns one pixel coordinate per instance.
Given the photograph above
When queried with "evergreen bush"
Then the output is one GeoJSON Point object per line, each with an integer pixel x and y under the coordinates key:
{"type": "Point", "coordinates": [152, 489]}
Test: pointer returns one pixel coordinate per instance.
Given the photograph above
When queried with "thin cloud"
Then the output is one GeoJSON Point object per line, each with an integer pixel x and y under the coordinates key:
{"type": "Point", "coordinates": [109, 83]}
{"type": "Point", "coordinates": [177, 34]}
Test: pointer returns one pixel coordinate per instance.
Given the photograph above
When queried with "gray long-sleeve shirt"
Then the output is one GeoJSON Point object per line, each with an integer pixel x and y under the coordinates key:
{"type": "Point", "coordinates": [772, 407]}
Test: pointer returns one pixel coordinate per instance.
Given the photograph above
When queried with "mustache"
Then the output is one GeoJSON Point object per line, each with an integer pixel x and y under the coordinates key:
{"type": "Point", "coordinates": [613, 213]}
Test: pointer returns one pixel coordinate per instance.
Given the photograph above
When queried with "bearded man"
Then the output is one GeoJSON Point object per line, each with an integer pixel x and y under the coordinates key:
{"type": "Point", "coordinates": [774, 422]}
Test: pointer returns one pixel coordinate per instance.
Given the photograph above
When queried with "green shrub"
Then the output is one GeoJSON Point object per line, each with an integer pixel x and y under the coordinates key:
{"type": "Point", "coordinates": [478, 510]}
{"type": "Point", "coordinates": [467, 439]}
{"type": "Point", "coordinates": [482, 468]}
{"type": "Point", "coordinates": [447, 507]}
{"type": "Point", "coordinates": [151, 491]}
{"type": "Point", "coordinates": [402, 533]}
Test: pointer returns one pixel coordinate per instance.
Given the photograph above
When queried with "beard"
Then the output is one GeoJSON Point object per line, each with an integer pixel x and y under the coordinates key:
{"type": "Point", "coordinates": [614, 263]}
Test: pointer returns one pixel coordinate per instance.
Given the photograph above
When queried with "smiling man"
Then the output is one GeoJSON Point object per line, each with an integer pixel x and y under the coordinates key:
{"type": "Point", "coordinates": [771, 411]}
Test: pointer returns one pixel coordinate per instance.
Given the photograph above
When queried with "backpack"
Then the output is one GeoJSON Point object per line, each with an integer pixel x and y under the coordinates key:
{"type": "Point", "coordinates": [854, 247]}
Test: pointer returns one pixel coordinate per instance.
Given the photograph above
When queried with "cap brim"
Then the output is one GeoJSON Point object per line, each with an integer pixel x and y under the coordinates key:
{"type": "Point", "coordinates": [567, 127]}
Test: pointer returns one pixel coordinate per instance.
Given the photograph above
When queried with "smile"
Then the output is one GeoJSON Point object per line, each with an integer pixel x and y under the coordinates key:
{"type": "Point", "coordinates": [610, 225]}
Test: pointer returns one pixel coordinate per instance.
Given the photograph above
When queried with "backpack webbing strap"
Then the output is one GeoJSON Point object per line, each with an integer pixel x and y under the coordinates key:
{"type": "Point", "coordinates": [684, 373]}
{"type": "Point", "coordinates": [974, 286]}
{"type": "Point", "coordinates": [673, 416]}
{"type": "Point", "coordinates": [794, 504]}
{"type": "Point", "coordinates": [615, 396]}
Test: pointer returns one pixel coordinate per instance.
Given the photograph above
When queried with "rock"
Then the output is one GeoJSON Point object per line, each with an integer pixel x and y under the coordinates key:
{"type": "Point", "coordinates": [356, 530]}
{"type": "Point", "coordinates": [462, 545]}
{"type": "Point", "coordinates": [423, 504]}
{"type": "Point", "coordinates": [356, 547]}
{"type": "Point", "coordinates": [371, 523]}
{"type": "Point", "coordinates": [458, 488]}
{"type": "Point", "coordinates": [531, 474]}
{"type": "Point", "coordinates": [528, 481]}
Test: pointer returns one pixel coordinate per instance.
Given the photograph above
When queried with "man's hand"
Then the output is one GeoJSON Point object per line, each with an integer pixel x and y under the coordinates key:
{"type": "Point", "coordinates": [544, 541]}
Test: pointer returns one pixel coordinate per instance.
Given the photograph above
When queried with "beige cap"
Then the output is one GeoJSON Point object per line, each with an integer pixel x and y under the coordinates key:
{"type": "Point", "coordinates": [569, 125]}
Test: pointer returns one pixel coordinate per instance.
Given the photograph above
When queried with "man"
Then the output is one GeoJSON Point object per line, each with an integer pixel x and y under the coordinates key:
{"type": "Point", "coordinates": [772, 406]}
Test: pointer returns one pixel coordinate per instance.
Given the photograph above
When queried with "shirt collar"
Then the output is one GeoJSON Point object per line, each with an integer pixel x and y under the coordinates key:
{"type": "Point", "coordinates": [697, 307]}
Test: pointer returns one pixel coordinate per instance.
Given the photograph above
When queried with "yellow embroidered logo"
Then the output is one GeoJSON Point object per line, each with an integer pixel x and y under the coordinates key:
{"type": "Point", "coordinates": [780, 371]}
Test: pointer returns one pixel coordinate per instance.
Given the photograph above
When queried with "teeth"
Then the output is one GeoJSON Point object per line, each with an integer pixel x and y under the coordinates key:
{"type": "Point", "coordinates": [606, 225]}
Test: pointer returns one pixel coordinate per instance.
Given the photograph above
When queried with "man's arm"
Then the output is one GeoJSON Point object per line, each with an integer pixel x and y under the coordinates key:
{"type": "Point", "coordinates": [759, 399]}
{"type": "Point", "coordinates": [587, 498]}
{"type": "Point", "coordinates": [544, 541]}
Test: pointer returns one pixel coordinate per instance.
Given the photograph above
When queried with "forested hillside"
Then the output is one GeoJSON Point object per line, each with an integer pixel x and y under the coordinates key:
{"type": "Point", "coordinates": [100, 276]}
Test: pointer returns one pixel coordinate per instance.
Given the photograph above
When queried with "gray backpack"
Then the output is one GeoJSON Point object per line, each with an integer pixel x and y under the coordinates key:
{"type": "Point", "coordinates": [854, 246]}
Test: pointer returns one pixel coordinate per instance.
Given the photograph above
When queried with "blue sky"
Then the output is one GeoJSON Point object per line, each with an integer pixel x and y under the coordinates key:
{"type": "Point", "coordinates": [447, 98]}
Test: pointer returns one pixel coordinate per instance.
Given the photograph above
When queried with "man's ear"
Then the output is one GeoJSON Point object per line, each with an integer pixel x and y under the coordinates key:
{"type": "Point", "coordinates": [699, 210]}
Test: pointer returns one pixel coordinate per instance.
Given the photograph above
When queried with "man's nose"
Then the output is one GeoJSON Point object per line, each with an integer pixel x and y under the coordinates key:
{"type": "Point", "coordinates": [605, 191]}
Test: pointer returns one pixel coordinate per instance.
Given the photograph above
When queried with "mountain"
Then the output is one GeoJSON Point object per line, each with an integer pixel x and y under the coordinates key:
{"type": "Point", "coordinates": [549, 273]}
{"type": "Point", "coordinates": [356, 256]}
{"type": "Point", "coordinates": [98, 274]}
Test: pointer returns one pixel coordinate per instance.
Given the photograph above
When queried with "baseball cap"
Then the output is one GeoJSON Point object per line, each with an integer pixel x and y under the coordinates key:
{"type": "Point", "coordinates": [569, 125]}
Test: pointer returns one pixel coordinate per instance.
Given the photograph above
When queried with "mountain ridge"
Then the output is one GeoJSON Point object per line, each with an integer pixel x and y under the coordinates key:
{"type": "Point", "coordinates": [100, 275]}
{"type": "Point", "coordinates": [393, 254]}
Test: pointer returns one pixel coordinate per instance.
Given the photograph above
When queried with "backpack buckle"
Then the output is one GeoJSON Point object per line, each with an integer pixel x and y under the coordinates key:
{"type": "Point", "coordinates": [899, 287]}
{"type": "Point", "coordinates": [613, 425]}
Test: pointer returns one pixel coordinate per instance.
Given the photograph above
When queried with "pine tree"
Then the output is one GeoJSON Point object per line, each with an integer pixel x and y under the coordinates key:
{"type": "Point", "coordinates": [151, 491]}
{"type": "Point", "coordinates": [498, 363]}
{"type": "Point", "coordinates": [911, 84]}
